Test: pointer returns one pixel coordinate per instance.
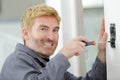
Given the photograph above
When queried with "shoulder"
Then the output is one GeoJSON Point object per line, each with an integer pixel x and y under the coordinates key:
{"type": "Point", "coordinates": [15, 60]}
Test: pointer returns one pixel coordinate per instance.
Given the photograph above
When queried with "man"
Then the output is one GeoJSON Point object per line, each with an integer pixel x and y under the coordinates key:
{"type": "Point", "coordinates": [40, 26]}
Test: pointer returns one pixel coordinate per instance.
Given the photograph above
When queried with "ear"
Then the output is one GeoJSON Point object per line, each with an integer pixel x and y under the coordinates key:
{"type": "Point", "coordinates": [25, 34]}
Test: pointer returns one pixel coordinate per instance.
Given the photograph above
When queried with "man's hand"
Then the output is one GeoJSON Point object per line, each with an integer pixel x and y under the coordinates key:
{"type": "Point", "coordinates": [102, 43]}
{"type": "Point", "coordinates": [74, 47]}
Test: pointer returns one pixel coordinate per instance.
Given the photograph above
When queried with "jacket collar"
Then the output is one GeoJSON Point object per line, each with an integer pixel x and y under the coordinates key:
{"type": "Point", "coordinates": [30, 52]}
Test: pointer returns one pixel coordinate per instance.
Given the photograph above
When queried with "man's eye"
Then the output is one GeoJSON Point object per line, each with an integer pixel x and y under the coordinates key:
{"type": "Point", "coordinates": [56, 30]}
{"type": "Point", "coordinates": [43, 29]}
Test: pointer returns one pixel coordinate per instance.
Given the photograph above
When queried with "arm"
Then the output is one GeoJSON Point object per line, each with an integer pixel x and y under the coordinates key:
{"type": "Point", "coordinates": [98, 72]}
{"type": "Point", "coordinates": [102, 43]}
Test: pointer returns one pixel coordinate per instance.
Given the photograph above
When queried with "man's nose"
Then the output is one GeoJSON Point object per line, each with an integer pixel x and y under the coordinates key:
{"type": "Point", "coordinates": [50, 36]}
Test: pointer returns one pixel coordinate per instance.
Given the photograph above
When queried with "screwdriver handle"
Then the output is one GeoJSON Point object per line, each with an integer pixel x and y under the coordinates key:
{"type": "Point", "coordinates": [89, 43]}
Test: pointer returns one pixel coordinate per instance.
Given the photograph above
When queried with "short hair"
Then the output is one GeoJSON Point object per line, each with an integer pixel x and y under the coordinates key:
{"type": "Point", "coordinates": [37, 11]}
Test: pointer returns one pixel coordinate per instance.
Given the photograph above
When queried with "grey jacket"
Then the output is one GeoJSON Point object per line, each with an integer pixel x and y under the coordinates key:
{"type": "Point", "coordinates": [25, 64]}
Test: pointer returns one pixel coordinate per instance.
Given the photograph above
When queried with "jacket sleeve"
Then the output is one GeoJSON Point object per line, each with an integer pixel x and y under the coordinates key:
{"type": "Point", "coordinates": [98, 72]}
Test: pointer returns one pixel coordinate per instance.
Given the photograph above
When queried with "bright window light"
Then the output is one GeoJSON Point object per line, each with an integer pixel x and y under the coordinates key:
{"type": "Point", "coordinates": [92, 3]}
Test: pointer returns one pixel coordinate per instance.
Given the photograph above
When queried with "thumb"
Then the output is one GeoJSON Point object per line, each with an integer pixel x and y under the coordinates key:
{"type": "Point", "coordinates": [104, 38]}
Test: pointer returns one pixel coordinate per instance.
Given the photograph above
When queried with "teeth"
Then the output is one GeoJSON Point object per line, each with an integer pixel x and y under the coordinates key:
{"type": "Point", "coordinates": [48, 44]}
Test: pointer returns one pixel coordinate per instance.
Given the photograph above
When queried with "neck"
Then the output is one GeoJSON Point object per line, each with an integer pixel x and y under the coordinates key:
{"type": "Point", "coordinates": [44, 57]}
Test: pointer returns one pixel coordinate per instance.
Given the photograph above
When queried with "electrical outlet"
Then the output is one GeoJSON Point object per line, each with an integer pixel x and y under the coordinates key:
{"type": "Point", "coordinates": [112, 35]}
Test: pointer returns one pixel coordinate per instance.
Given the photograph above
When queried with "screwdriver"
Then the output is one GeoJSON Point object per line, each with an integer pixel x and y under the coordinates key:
{"type": "Point", "coordinates": [89, 43]}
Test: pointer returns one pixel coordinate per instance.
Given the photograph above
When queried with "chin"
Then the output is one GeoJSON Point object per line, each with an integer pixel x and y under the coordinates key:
{"type": "Point", "coordinates": [50, 54]}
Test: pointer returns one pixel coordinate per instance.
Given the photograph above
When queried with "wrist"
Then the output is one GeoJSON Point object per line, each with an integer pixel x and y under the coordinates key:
{"type": "Point", "coordinates": [102, 56]}
{"type": "Point", "coordinates": [64, 54]}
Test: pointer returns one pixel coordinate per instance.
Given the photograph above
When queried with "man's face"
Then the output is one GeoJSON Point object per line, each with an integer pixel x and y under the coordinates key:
{"type": "Point", "coordinates": [43, 37]}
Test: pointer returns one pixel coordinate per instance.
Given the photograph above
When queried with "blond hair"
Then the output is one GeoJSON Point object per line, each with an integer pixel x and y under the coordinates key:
{"type": "Point", "coordinates": [37, 11]}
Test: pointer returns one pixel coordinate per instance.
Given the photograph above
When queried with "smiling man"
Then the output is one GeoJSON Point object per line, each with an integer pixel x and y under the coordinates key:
{"type": "Point", "coordinates": [30, 61]}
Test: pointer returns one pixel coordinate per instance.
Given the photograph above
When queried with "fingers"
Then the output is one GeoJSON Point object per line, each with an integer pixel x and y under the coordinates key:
{"type": "Point", "coordinates": [74, 47]}
{"type": "Point", "coordinates": [102, 43]}
{"type": "Point", "coordinates": [80, 50]}
{"type": "Point", "coordinates": [81, 38]}
{"type": "Point", "coordinates": [105, 36]}
{"type": "Point", "coordinates": [102, 28]}
{"type": "Point", "coordinates": [103, 39]}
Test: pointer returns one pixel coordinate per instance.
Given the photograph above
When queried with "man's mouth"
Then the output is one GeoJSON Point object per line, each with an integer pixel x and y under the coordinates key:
{"type": "Point", "coordinates": [48, 45]}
